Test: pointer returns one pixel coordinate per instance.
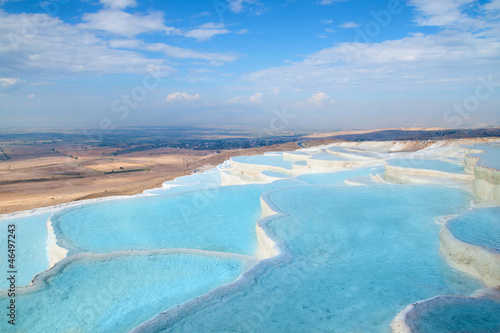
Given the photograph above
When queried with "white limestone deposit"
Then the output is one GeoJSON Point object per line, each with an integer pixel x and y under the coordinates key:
{"type": "Point", "coordinates": [55, 252]}
{"type": "Point", "coordinates": [479, 261]}
{"type": "Point", "coordinates": [402, 322]}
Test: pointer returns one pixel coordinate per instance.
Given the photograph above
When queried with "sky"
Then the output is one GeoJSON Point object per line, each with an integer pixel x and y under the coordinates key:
{"type": "Point", "coordinates": [282, 65]}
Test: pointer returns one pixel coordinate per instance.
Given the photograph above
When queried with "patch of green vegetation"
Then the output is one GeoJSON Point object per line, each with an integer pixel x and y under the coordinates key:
{"type": "Point", "coordinates": [122, 171]}
{"type": "Point", "coordinates": [4, 157]}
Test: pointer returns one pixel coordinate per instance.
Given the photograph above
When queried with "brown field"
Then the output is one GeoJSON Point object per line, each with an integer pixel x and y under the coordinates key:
{"type": "Point", "coordinates": [118, 166]}
{"type": "Point", "coordinates": [37, 176]}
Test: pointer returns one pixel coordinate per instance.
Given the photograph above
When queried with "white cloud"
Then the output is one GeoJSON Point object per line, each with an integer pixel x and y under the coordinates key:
{"type": "Point", "coordinates": [328, 2]}
{"type": "Point", "coordinates": [318, 99]}
{"type": "Point", "coordinates": [202, 14]}
{"type": "Point", "coordinates": [207, 31]}
{"type": "Point", "coordinates": [182, 97]}
{"type": "Point", "coordinates": [182, 53]}
{"type": "Point", "coordinates": [9, 81]}
{"type": "Point", "coordinates": [121, 23]}
{"type": "Point", "coordinates": [450, 56]}
{"type": "Point", "coordinates": [492, 5]}
{"type": "Point", "coordinates": [439, 13]}
{"type": "Point", "coordinates": [31, 96]}
{"type": "Point", "coordinates": [349, 25]}
{"type": "Point", "coordinates": [275, 92]}
{"type": "Point", "coordinates": [118, 4]}
{"type": "Point", "coordinates": [61, 48]}
{"type": "Point", "coordinates": [41, 83]}
{"type": "Point", "coordinates": [56, 47]}
{"type": "Point", "coordinates": [326, 21]}
{"type": "Point", "coordinates": [173, 51]}
{"type": "Point", "coordinates": [178, 52]}
{"type": "Point", "coordinates": [235, 100]}
{"type": "Point", "coordinates": [132, 44]}
{"type": "Point", "coordinates": [238, 6]}
{"type": "Point", "coordinates": [256, 98]}
{"type": "Point", "coordinates": [243, 32]}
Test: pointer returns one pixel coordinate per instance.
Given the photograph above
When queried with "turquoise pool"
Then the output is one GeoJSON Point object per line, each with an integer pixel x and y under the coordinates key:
{"type": "Point", "coordinates": [429, 164]}
{"type": "Point", "coordinates": [335, 178]}
{"type": "Point", "coordinates": [219, 219]}
{"type": "Point", "coordinates": [271, 160]}
{"type": "Point", "coordinates": [350, 263]}
{"type": "Point", "coordinates": [31, 242]}
{"type": "Point", "coordinates": [327, 157]}
{"type": "Point", "coordinates": [480, 226]}
{"type": "Point", "coordinates": [463, 315]}
{"type": "Point", "coordinates": [275, 174]}
{"type": "Point", "coordinates": [351, 257]}
{"type": "Point", "coordinates": [116, 294]}
{"type": "Point", "coordinates": [491, 156]}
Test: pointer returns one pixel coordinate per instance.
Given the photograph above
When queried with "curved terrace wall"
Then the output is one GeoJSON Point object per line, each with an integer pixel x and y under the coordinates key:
{"type": "Point", "coordinates": [404, 321]}
{"type": "Point", "coordinates": [486, 180]}
{"type": "Point", "coordinates": [479, 261]}
{"type": "Point", "coordinates": [399, 173]}
{"type": "Point", "coordinates": [254, 170]}
{"type": "Point", "coordinates": [486, 183]}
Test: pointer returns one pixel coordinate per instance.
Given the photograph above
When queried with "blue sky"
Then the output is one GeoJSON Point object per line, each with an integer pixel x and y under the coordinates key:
{"type": "Point", "coordinates": [329, 63]}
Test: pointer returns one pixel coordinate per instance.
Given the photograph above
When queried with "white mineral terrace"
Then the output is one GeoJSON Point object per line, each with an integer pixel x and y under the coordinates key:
{"type": "Point", "coordinates": [401, 323]}
{"type": "Point", "coordinates": [478, 261]}
{"type": "Point", "coordinates": [486, 180]}
{"type": "Point", "coordinates": [55, 252]}
{"type": "Point", "coordinates": [267, 247]}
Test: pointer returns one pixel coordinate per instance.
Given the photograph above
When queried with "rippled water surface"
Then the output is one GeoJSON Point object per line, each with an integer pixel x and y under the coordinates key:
{"type": "Point", "coordinates": [480, 226]}
{"type": "Point", "coordinates": [351, 257]}
{"type": "Point", "coordinates": [482, 316]}
{"type": "Point", "coordinates": [356, 257]}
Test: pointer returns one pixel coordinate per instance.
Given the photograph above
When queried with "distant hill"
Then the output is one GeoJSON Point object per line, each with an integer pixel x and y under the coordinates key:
{"type": "Point", "coordinates": [405, 135]}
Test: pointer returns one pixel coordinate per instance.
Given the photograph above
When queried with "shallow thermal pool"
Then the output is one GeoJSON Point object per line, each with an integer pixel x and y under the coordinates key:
{"type": "Point", "coordinates": [117, 293]}
{"type": "Point", "coordinates": [31, 242]}
{"type": "Point", "coordinates": [274, 174]}
{"type": "Point", "coordinates": [480, 226]}
{"type": "Point", "coordinates": [327, 157]}
{"type": "Point", "coordinates": [351, 257]}
{"type": "Point", "coordinates": [271, 160]}
{"type": "Point", "coordinates": [429, 164]}
{"type": "Point", "coordinates": [354, 257]}
{"type": "Point", "coordinates": [337, 178]}
{"type": "Point", "coordinates": [216, 219]}
{"type": "Point", "coordinates": [491, 156]}
{"type": "Point", "coordinates": [354, 152]}
{"type": "Point", "coordinates": [462, 315]}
